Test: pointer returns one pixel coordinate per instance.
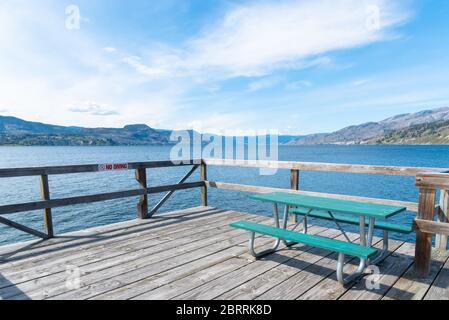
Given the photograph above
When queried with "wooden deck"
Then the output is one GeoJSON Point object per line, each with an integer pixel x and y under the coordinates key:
{"type": "Point", "coordinates": [193, 254]}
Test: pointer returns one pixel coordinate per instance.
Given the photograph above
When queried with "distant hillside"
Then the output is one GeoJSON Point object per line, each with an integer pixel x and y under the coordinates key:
{"type": "Point", "coordinates": [426, 133]}
{"type": "Point", "coordinates": [425, 127]}
{"type": "Point", "coordinates": [372, 132]}
{"type": "Point", "coordinates": [14, 131]}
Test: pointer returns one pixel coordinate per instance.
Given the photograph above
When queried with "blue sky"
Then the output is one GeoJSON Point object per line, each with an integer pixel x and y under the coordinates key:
{"type": "Point", "coordinates": [294, 66]}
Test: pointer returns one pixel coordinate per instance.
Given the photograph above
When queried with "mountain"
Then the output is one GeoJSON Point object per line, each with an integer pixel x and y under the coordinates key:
{"type": "Point", "coordinates": [386, 130]}
{"type": "Point", "coordinates": [427, 133]}
{"type": "Point", "coordinates": [425, 127]}
{"type": "Point", "coordinates": [15, 131]}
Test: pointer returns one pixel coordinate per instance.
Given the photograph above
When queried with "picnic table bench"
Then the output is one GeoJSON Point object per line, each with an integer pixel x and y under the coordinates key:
{"type": "Point", "coordinates": [339, 211]}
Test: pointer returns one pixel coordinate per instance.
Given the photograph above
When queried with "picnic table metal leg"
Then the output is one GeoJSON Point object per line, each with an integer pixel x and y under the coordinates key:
{"type": "Point", "coordinates": [365, 240]}
{"type": "Point", "coordinates": [340, 274]}
{"type": "Point", "coordinates": [384, 253]}
{"type": "Point", "coordinates": [284, 226]}
{"type": "Point", "coordinates": [252, 238]}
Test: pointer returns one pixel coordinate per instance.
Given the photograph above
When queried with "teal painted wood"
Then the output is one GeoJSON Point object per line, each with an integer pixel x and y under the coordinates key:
{"type": "Point", "coordinates": [347, 248]}
{"type": "Point", "coordinates": [378, 211]}
{"type": "Point", "coordinates": [344, 218]}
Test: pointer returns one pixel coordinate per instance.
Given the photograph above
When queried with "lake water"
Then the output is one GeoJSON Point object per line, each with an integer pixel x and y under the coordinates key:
{"type": "Point", "coordinates": [18, 190]}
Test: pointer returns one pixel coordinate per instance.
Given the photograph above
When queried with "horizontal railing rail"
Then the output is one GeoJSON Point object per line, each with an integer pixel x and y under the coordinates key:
{"type": "Point", "coordinates": [331, 167]}
{"type": "Point", "coordinates": [85, 168]}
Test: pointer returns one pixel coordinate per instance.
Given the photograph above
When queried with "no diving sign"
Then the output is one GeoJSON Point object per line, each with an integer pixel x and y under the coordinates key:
{"type": "Point", "coordinates": [113, 166]}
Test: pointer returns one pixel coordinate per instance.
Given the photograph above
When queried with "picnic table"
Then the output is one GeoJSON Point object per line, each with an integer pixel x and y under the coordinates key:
{"type": "Point", "coordinates": [368, 216]}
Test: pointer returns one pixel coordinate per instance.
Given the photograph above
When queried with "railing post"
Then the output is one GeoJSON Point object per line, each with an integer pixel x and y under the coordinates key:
{"type": "Point", "coordinates": [294, 180]}
{"type": "Point", "coordinates": [294, 184]}
{"type": "Point", "coordinates": [203, 177]}
{"type": "Point", "coordinates": [443, 216]}
{"type": "Point", "coordinates": [142, 206]}
{"type": "Point", "coordinates": [47, 217]}
{"type": "Point", "coordinates": [423, 249]}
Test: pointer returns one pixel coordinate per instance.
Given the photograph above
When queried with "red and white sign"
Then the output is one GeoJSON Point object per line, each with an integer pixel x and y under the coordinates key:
{"type": "Point", "coordinates": [113, 166]}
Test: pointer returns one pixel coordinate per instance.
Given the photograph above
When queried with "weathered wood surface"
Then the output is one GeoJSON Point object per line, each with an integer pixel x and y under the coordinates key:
{"type": "Point", "coordinates": [426, 211]}
{"type": "Point", "coordinates": [336, 167]}
{"type": "Point", "coordinates": [194, 254]}
{"type": "Point", "coordinates": [443, 216]}
{"type": "Point", "coordinates": [53, 170]}
{"type": "Point", "coordinates": [142, 206]}
{"type": "Point", "coordinates": [435, 180]}
{"type": "Point", "coordinates": [203, 178]}
{"type": "Point", "coordinates": [55, 203]}
{"type": "Point", "coordinates": [45, 195]}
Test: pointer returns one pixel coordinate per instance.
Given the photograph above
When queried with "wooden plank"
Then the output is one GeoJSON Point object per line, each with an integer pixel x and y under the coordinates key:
{"type": "Point", "coordinates": [443, 216]}
{"type": "Point", "coordinates": [431, 227]}
{"type": "Point", "coordinates": [55, 203]}
{"type": "Point", "coordinates": [305, 166]}
{"type": "Point", "coordinates": [23, 228]}
{"type": "Point", "coordinates": [18, 253]}
{"type": "Point", "coordinates": [433, 180]}
{"type": "Point", "coordinates": [391, 270]}
{"type": "Point", "coordinates": [103, 281]}
{"type": "Point", "coordinates": [113, 273]}
{"type": "Point", "coordinates": [413, 287]}
{"type": "Point", "coordinates": [440, 287]}
{"type": "Point", "coordinates": [268, 280]}
{"type": "Point", "coordinates": [312, 166]}
{"type": "Point", "coordinates": [423, 247]}
{"type": "Point", "coordinates": [39, 268]}
{"type": "Point", "coordinates": [213, 289]}
{"type": "Point", "coordinates": [411, 206]}
{"type": "Point", "coordinates": [83, 241]}
{"type": "Point", "coordinates": [181, 278]}
{"type": "Point", "coordinates": [328, 288]}
{"type": "Point", "coordinates": [203, 178]}
{"type": "Point", "coordinates": [142, 206]}
{"type": "Point", "coordinates": [173, 288]}
{"type": "Point", "coordinates": [12, 255]}
{"type": "Point", "coordinates": [181, 273]}
{"type": "Point", "coordinates": [45, 195]}
{"type": "Point", "coordinates": [56, 170]}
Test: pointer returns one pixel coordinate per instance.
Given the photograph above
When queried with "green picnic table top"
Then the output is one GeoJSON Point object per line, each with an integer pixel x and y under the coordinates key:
{"type": "Point", "coordinates": [378, 211]}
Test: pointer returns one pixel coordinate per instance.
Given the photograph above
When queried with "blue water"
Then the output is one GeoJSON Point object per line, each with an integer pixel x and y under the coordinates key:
{"type": "Point", "coordinates": [18, 190]}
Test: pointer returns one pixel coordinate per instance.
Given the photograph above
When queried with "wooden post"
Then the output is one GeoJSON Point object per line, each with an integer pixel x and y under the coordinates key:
{"type": "Point", "coordinates": [443, 216]}
{"type": "Point", "coordinates": [142, 206]}
{"type": "Point", "coordinates": [294, 184]}
{"type": "Point", "coordinates": [294, 180]}
{"type": "Point", "coordinates": [203, 177]}
{"type": "Point", "coordinates": [47, 217]}
{"type": "Point", "coordinates": [423, 250]}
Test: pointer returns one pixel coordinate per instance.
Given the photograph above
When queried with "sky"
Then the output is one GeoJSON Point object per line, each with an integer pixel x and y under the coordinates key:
{"type": "Point", "coordinates": [298, 67]}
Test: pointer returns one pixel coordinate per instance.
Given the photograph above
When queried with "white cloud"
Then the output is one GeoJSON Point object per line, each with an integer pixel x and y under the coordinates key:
{"type": "Point", "coordinates": [299, 84]}
{"type": "Point", "coordinates": [360, 82]}
{"type": "Point", "coordinates": [137, 64]}
{"type": "Point", "coordinates": [264, 83]}
{"type": "Point", "coordinates": [258, 38]}
{"type": "Point", "coordinates": [110, 49]}
{"type": "Point", "coordinates": [93, 108]}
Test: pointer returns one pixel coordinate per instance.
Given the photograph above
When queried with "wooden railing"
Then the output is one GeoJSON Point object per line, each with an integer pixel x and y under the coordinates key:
{"type": "Point", "coordinates": [428, 180]}
{"type": "Point", "coordinates": [46, 204]}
